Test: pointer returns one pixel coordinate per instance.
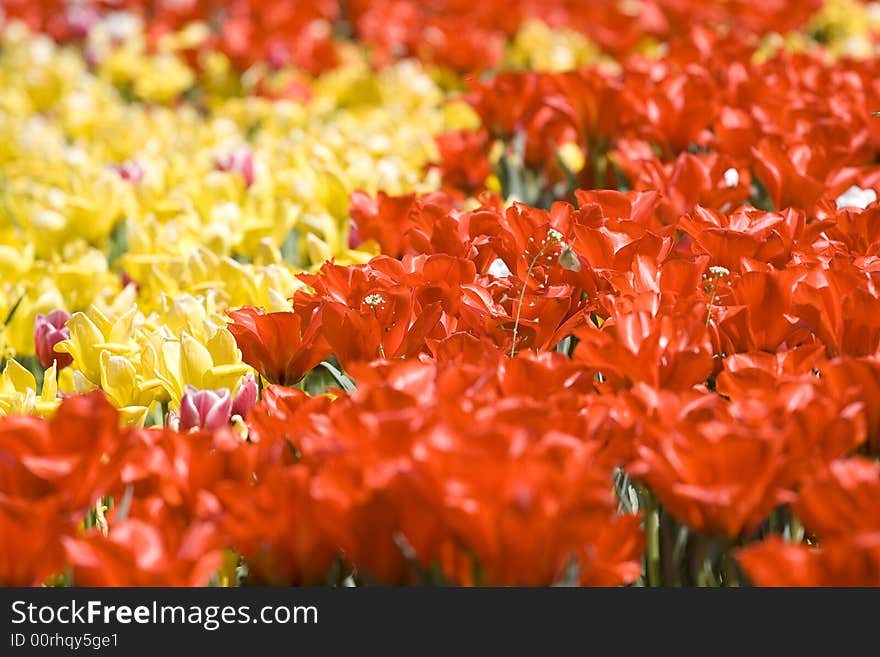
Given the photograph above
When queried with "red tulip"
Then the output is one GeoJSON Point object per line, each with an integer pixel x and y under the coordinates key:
{"type": "Point", "coordinates": [844, 501]}
{"type": "Point", "coordinates": [718, 475]}
{"type": "Point", "coordinates": [38, 523]}
{"type": "Point", "coordinates": [137, 553]}
{"type": "Point", "coordinates": [278, 345]}
{"type": "Point", "coordinates": [773, 562]}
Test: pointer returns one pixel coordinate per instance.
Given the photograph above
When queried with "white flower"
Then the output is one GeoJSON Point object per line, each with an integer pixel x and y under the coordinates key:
{"type": "Point", "coordinates": [731, 177]}
{"type": "Point", "coordinates": [554, 235]}
{"type": "Point", "coordinates": [498, 269]}
{"type": "Point", "coordinates": [856, 197]}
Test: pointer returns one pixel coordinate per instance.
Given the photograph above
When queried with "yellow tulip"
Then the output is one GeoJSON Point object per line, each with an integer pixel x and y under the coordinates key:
{"type": "Point", "coordinates": [18, 391]}
{"type": "Point", "coordinates": [177, 363]}
{"type": "Point", "coordinates": [120, 382]}
{"type": "Point", "coordinates": [93, 333]}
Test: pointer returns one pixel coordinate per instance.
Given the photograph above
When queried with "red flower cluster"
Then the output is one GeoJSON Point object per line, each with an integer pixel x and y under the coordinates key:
{"type": "Point", "coordinates": [732, 350]}
{"type": "Point", "coordinates": [165, 519]}
{"type": "Point", "coordinates": [723, 387]}
{"type": "Point", "coordinates": [460, 35]}
{"type": "Point", "coordinates": [467, 36]}
{"type": "Point", "coordinates": [486, 472]}
{"type": "Point", "coordinates": [279, 32]}
{"type": "Point", "coordinates": [393, 483]}
{"type": "Point", "coordinates": [700, 124]}
{"type": "Point", "coordinates": [840, 507]}
{"type": "Point", "coordinates": [706, 343]}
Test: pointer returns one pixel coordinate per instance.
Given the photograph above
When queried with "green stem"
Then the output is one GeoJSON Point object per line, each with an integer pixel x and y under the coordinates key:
{"type": "Point", "coordinates": [795, 530]}
{"type": "Point", "coordinates": [707, 577]}
{"type": "Point", "coordinates": [729, 570]}
{"type": "Point", "coordinates": [652, 536]}
{"type": "Point", "coordinates": [522, 296]}
{"type": "Point", "coordinates": [381, 348]}
{"type": "Point", "coordinates": [678, 565]}
{"type": "Point", "coordinates": [711, 300]}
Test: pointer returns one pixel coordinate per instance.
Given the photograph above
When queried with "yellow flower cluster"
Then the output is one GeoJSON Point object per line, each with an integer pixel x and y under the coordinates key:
{"type": "Point", "coordinates": [842, 28]}
{"type": "Point", "coordinates": [539, 47]}
{"type": "Point", "coordinates": [144, 361]}
{"type": "Point", "coordinates": [849, 27]}
{"type": "Point", "coordinates": [202, 204]}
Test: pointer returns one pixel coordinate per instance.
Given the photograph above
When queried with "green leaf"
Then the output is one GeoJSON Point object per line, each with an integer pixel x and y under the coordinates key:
{"type": "Point", "coordinates": [344, 381]}
{"type": "Point", "coordinates": [570, 176]}
{"type": "Point", "coordinates": [761, 197]}
{"type": "Point", "coordinates": [511, 170]}
{"type": "Point", "coordinates": [125, 504]}
{"type": "Point", "coordinates": [571, 575]}
{"type": "Point", "coordinates": [316, 382]}
{"type": "Point", "coordinates": [32, 365]}
{"type": "Point", "coordinates": [117, 243]}
{"type": "Point", "coordinates": [12, 311]}
{"type": "Point", "coordinates": [290, 250]}
{"type": "Point", "coordinates": [566, 345]}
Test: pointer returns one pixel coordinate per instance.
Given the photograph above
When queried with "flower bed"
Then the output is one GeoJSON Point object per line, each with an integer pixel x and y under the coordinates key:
{"type": "Point", "coordinates": [523, 293]}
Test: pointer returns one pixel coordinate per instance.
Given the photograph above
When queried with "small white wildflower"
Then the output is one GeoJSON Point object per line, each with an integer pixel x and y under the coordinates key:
{"type": "Point", "coordinates": [554, 235]}
{"type": "Point", "coordinates": [719, 271]}
{"type": "Point", "coordinates": [731, 177]}
{"type": "Point", "coordinates": [498, 269]}
{"type": "Point", "coordinates": [856, 197]}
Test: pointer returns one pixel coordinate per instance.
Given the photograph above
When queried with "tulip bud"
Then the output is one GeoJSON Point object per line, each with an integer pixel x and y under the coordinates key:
{"type": "Point", "coordinates": [49, 330]}
{"type": "Point", "coordinates": [127, 280]}
{"type": "Point", "coordinates": [240, 160]}
{"type": "Point", "coordinates": [130, 171]}
{"type": "Point", "coordinates": [278, 56]}
{"type": "Point", "coordinates": [204, 409]}
{"type": "Point", "coordinates": [246, 397]}
{"type": "Point", "coordinates": [92, 58]}
{"type": "Point", "coordinates": [81, 20]}
{"type": "Point", "coordinates": [354, 236]}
